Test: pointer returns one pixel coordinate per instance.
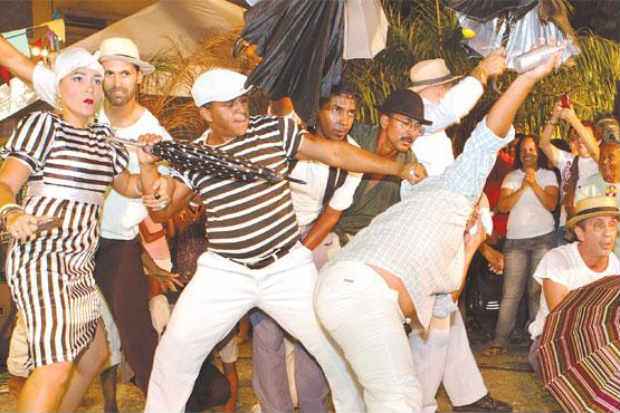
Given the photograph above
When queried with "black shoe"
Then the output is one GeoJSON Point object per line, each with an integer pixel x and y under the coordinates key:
{"type": "Point", "coordinates": [486, 404]}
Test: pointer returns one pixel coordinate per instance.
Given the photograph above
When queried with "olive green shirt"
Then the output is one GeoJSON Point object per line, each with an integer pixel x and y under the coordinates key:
{"type": "Point", "coordinates": [368, 203]}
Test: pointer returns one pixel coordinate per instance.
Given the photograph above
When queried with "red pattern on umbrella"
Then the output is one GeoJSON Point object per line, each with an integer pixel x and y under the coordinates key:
{"type": "Point", "coordinates": [580, 348]}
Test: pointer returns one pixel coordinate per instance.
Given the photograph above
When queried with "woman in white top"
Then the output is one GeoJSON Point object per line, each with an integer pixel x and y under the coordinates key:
{"type": "Point", "coordinates": [571, 266]}
{"type": "Point", "coordinates": [529, 194]}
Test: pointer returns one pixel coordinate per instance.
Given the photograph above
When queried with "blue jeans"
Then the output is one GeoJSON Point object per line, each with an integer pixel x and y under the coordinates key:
{"type": "Point", "coordinates": [521, 257]}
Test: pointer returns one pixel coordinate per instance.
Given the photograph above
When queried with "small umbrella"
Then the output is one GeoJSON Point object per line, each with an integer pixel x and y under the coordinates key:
{"type": "Point", "coordinates": [580, 348]}
{"type": "Point", "coordinates": [210, 161]}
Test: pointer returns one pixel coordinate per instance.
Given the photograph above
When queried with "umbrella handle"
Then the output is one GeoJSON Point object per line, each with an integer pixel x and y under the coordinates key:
{"type": "Point", "coordinates": [296, 180]}
{"type": "Point", "coordinates": [494, 87]}
{"type": "Point", "coordinates": [126, 142]}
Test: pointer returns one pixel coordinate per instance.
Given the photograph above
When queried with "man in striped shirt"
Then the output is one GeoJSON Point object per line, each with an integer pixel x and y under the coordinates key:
{"type": "Point", "coordinates": [254, 257]}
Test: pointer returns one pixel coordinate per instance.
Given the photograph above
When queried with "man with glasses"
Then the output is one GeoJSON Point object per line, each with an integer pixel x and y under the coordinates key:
{"type": "Point", "coordinates": [400, 123]}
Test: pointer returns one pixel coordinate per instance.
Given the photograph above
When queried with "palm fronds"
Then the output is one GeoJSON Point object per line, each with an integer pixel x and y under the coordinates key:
{"type": "Point", "coordinates": [422, 34]}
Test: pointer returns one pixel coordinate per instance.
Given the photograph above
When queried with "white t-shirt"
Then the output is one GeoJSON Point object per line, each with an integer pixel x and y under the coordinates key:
{"type": "Point", "coordinates": [434, 151]}
{"type": "Point", "coordinates": [121, 215]}
{"type": "Point", "coordinates": [528, 218]}
{"type": "Point", "coordinates": [308, 198]}
{"type": "Point", "coordinates": [433, 148]}
{"type": "Point", "coordinates": [565, 266]}
{"type": "Point", "coordinates": [587, 167]}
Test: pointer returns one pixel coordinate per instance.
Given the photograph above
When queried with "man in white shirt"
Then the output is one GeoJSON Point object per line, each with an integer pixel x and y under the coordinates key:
{"type": "Point", "coordinates": [571, 266]}
{"type": "Point", "coordinates": [446, 103]}
{"type": "Point", "coordinates": [318, 205]}
{"type": "Point", "coordinates": [118, 269]}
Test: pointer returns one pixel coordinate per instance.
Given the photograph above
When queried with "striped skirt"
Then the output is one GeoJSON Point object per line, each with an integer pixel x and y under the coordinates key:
{"type": "Point", "coordinates": [51, 281]}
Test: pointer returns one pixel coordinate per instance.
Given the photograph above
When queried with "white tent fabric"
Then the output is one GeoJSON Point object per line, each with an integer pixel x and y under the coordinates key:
{"type": "Point", "coordinates": [183, 21]}
{"type": "Point", "coordinates": [180, 22]}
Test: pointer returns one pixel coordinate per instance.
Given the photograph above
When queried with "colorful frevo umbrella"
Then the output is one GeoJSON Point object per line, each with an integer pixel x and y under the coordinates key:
{"type": "Point", "coordinates": [580, 348]}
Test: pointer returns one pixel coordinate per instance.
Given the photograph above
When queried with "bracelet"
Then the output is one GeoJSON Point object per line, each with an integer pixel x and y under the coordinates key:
{"type": "Point", "coordinates": [6, 209]}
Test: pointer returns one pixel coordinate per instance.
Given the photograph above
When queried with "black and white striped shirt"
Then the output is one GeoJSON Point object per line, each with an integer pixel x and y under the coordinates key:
{"type": "Point", "coordinates": [248, 221]}
{"type": "Point", "coordinates": [64, 156]}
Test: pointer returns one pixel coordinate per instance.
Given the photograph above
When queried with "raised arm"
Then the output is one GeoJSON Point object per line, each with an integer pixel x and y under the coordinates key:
{"type": "Point", "coordinates": [15, 61]}
{"type": "Point", "coordinates": [462, 97]}
{"type": "Point", "coordinates": [503, 112]}
{"type": "Point", "coordinates": [545, 144]}
{"type": "Point", "coordinates": [585, 134]}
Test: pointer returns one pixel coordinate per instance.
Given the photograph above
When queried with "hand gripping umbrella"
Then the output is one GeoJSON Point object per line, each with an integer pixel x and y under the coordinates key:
{"type": "Point", "coordinates": [210, 161]}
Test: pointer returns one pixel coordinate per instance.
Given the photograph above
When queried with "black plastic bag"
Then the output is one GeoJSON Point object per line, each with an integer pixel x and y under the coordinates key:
{"type": "Point", "coordinates": [485, 10]}
{"type": "Point", "coordinates": [301, 44]}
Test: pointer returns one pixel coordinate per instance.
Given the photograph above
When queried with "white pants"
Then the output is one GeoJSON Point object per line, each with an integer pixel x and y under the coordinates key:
{"type": "Point", "coordinates": [444, 356]}
{"type": "Point", "coordinates": [218, 295]}
{"type": "Point", "coordinates": [361, 313]}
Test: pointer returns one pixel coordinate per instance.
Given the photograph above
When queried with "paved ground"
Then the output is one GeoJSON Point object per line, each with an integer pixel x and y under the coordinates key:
{"type": "Point", "coordinates": [507, 376]}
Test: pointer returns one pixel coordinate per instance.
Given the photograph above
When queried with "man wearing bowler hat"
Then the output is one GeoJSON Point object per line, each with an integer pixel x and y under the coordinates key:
{"type": "Point", "coordinates": [400, 124]}
{"type": "Point", "coordinates": [446, 102]}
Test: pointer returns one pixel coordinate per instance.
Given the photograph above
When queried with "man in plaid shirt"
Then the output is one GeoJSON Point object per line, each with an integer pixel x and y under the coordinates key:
{"type": "Point", "coordinates": [379, 279]}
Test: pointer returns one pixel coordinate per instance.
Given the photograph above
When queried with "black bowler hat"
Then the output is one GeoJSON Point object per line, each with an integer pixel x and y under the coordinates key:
{"type": "Point", "coordinates": [405, 102]}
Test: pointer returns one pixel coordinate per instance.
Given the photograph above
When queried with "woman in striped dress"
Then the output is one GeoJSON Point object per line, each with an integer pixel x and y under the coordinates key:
{"type": "Point", "coordinates": [68, 165]}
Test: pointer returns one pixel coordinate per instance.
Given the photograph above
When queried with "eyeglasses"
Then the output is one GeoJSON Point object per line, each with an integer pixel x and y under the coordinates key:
{"type": "Point", "coordinates": [409, 124]}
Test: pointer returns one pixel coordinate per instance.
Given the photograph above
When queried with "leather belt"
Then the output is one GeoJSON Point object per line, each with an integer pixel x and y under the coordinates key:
{"type": "Point", "coordinates": [277, 254]}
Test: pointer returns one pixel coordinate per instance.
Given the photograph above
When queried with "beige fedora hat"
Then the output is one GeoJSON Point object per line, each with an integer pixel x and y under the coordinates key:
{"type": "Point", "coordinates": [428, 73]}
{"type": "Point", "coordinates": [593, 207]}
{"type": "Point", "coordinates": [122, 48]}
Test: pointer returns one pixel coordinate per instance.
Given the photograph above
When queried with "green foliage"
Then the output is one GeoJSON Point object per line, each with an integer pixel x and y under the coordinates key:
{"type": "Point", "coordinates": [426, 32]}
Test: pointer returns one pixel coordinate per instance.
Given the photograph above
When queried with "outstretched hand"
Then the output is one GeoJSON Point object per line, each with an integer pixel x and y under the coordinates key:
{"type": "Point", "coordinates": [414, 172]}
{"type": "Point", "coordinates": [542, 70]}
{"type": "Point", "coordinates": [495, 63]}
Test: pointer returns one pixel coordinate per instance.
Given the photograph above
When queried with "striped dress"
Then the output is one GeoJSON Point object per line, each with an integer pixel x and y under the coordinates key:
{"type": "Point", "coordinates": [51, 274]}
{"type": "Point", "coordinates": [249, 221]}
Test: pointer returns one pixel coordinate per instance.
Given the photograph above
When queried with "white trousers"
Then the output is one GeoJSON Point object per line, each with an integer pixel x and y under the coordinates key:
{"type": "Point", "coordinates": [218, 295]}
{"type": "Point", "coordinates": [361, 313]}
{"type": "Point", "coordinates": [444, 356]}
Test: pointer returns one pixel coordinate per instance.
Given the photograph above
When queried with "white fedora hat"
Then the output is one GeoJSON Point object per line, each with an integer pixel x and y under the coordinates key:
{"type": "Point", "coordinates": [428, 73]}
{"type": "Point", "coordinates": [122, 48]}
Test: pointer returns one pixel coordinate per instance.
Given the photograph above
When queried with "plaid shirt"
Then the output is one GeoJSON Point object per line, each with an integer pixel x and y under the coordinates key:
{"type": "Point", "coordinates": [419, 238]}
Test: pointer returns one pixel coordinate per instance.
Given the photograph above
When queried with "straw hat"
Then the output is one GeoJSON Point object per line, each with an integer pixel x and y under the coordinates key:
{"type": "Point", "coordinates": [122, 48]}
{"type": "Point", "coordinates": [593, 207]}
{"type": "Point", "coordinates": [428, 73]}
